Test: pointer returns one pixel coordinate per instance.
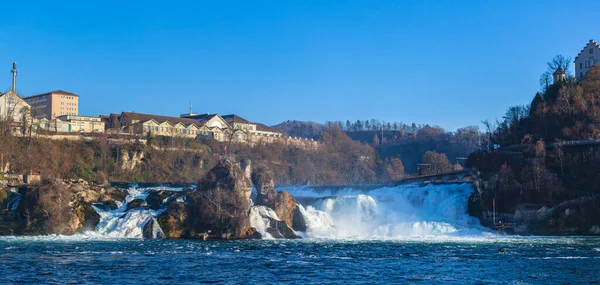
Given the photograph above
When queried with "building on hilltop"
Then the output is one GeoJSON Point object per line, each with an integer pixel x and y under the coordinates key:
{"type": "Point", "coordinates": [239, 123]}
{"type": "Point", "coordinates": [559, 75]}
{"type": "Point", "coordinates": [84, 124]}
{"type": "Point", "coordinates": [587, 57]}
{"type": "Point", "coordinates": [53, 104]}
{"type": "Point", "coordinates": [15, 113]}
{"type": "Point", "coordinates": [212, 126]}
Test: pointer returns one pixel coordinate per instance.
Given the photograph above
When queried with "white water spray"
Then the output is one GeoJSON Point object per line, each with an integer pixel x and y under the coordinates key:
{"type": "Point", "coordinates": [405, 211]}
{"type": "Point", "coordinates": [123, 223]}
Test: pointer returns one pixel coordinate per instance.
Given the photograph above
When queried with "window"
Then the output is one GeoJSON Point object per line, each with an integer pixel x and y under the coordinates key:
{"type": "Point", "coordinates": [581, 65]}
{"type": "Point", "coordinates": [591, 50]}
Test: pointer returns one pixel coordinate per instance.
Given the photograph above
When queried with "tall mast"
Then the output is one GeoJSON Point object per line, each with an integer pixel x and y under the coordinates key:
{"type": "Point", "coordinates": [14, 79]}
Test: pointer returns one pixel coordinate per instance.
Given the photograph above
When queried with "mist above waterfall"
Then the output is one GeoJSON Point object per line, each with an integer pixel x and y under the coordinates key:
{"type": "Point", "coordinates": [405, 211]}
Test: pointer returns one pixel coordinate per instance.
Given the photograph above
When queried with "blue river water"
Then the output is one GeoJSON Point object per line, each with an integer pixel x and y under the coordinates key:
{"type": "Point", "coordinates": [89, 259]}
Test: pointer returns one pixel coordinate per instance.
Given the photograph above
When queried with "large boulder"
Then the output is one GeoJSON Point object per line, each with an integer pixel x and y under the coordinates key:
{"type": "Point", "coordinates": [227, 175]}
{"type": "Point", "coordinates": [285, 207]}
{"type": "Point", "coordinates": [220, 205]}
{"type": "Point", "coordinates": [174, 221]}
{"type": "Point", "coordinates": [86, 218]}
{"type": "Point", "coordinates": [111, 194]}
{"type": "Point", "coordinates": [152, 230]}
{"type": "Point", "coordinates": [156, 199]}
{"type": "Point", "coordinates": [283, 203]}
{"type": "Point", "coordinates": [264, 182]}
{"type": "Point", "coordinates": [136, 203]}
{"type": "Point", "coordinates": [266, 221]}
{"type": "Point", "coordinates": [299, 221]}
{"type": "Point", "coordinates": [84, 194]}
{"type": "Point", "coordinates": [47, 208]}
{"type": "Point", "coordinates": [280, 229]}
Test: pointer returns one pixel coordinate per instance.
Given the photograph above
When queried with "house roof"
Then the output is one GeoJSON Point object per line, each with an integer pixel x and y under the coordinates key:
{"type": "Point", "coordinates": [591, 42]}
{"type": "Point", "coordinates": [61, 92]}
{"type": "Point", "coordinates": [160, 119]}
{"type": "Point", "coordinates": [233, 118]}
{"type": "Point", "coordinates": [264, 128]}
{"type": "Point", "coordinates": [9, 91]}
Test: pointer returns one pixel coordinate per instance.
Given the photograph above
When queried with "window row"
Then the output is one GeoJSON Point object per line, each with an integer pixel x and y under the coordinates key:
{"type": "Point", "coordinates": [174, 130]}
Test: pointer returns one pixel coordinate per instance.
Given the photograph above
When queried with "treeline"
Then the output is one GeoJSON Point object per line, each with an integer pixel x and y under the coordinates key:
{"type": "Point", "coordinates": [407, 142]}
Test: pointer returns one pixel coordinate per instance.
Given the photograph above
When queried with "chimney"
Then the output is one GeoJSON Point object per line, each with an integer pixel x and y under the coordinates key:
{"type": "Point", "coordinates": [14, 82]}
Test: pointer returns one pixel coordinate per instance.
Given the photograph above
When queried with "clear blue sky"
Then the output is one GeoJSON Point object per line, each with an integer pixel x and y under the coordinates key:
{"type": "Point", "coordinates": [446, 63]}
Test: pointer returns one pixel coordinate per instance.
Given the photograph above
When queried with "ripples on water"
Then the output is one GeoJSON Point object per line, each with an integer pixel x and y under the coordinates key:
{"type": "Point", "coordinates": [491, 260]}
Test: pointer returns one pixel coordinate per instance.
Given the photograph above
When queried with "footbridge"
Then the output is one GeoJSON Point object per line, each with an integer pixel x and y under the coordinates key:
{"type": "Point", "coordinates": [446, 177]}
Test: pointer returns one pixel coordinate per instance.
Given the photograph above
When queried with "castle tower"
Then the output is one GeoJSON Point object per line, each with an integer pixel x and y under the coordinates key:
{"type": "Point", "coordinates": [559, 75]}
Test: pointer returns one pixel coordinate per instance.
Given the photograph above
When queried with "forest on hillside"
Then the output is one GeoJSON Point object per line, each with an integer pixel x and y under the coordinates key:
{"type": "Point", "coordinates": [529, 166]}
{"type": "Point", "coordinates": [396, 140]}
{"type": "Point", "coordinates": [338, 160]}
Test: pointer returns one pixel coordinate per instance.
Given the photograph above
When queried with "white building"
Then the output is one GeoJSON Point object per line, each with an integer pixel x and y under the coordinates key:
{"type": "Point", "coordinates": [588, 56]}
{"type": "Point", "coordinates": [14, 111]}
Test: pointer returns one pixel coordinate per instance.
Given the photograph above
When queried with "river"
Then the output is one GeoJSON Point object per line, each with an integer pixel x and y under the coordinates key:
{"type": "Point", "coordinates": [410, 234]}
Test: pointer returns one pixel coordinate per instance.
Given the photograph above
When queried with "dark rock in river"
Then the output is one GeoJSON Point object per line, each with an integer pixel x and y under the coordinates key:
{"type": "Point", "coordinates": [280, 229]}
{"type": "Point", "coordinates": [299, 221]}
{"type": "Point", "coordinates": [152, 230]}
{"type": "Point", "coordinates": [136, 203]}
{"type": "Point", "coordinates": [86, 217]}
{"type": "Point", "coordinates": [263, 180]}
{"type": "Point", "coordinates": [283, 203]}
{"type": "Point", "coordinates": [155, 198]}
{"type": "Point", "coordinates": [221, 204]}
{"type": "Point", "coordinates": [174, 221]}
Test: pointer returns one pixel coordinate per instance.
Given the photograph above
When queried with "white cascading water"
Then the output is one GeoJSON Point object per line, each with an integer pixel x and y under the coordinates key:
{"type": "Point", "coordinates": [405, 211]}
{"type": "Point", "coordinates": [260, 219]}
{"type": "Point", "coordinates": [120, 223]}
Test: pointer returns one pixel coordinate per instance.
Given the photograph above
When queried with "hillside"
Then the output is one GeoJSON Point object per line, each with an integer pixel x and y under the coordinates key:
{"type": "Point", "coordinates": [300, 129]}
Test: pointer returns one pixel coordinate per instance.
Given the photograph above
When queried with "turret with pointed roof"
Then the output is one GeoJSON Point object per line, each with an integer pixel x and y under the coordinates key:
{"type": "Point", "coordinates": [559, 75]}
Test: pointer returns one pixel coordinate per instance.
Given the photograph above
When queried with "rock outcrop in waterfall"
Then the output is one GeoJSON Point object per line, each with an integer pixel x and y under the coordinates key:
{"type": "Point", "coordinates": [282, 203]}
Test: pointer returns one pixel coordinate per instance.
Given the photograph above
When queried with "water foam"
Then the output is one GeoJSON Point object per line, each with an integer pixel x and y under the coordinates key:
{"type": "Point", "coordinates": [405, 211]}
{"type": "Point", "coordinates": [123, 223]}
{"type": "Point", "coordinates": [260, 219]}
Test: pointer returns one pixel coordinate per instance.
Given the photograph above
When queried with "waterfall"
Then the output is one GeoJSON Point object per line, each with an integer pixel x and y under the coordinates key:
{"type": "Point", "coordinates": [405, 211]}
{"type": "Point", "coordinates": [13, 204]}
{"type": "Point", "coordinates": [260, 218]}
{"type": "Point", "coordinates": [123, 223]}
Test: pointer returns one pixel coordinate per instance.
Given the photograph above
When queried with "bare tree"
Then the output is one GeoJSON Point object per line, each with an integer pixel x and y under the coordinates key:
{"type": "Point", "coordinates": [557, 61]}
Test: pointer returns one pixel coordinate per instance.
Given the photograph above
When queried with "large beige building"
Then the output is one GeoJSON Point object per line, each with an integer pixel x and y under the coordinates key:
{"type": "Point", "coordinates": [53, 104]}
{"type": "Point", "coordinates": [588, 57]}
{"type": "Point", "coordinates": [83, 124]}
{"type": "Point", "coordinates": [141, 124]}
